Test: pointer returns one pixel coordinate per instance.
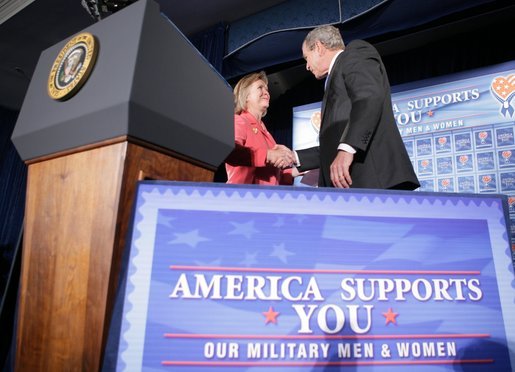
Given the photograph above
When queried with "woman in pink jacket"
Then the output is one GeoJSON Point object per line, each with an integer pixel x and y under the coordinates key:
{"type": "Point", "coordinates": [256, 158]}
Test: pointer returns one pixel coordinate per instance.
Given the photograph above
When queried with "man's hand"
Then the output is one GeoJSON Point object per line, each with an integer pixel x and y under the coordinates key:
{"type": "Point", "coordinates": [295, 172]}
{"type": "Point", "coordinates": [340, 170]}
{"type": "Point", "coordinates": [280, 157]}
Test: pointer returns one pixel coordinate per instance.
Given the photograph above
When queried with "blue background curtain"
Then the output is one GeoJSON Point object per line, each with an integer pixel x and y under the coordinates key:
{"type": "Point", "coordinates": [211, 44]}
{"type": "Point", "coordinates": [13, 178]}
{"type": "Point", "coordinates": [13, 174]}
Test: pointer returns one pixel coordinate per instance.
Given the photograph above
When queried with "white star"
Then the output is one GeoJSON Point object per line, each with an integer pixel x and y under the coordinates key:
{"type": "Point", "coordinates": [299, 218]}
{"type": "Point", "coordinates": [246, 229]}
{"type": "Point", "coordinates": [281, 253]}
{"type": "Point", "coordinates": [215, 263]}
{"type": "Point", "coordinates": [250, 259]}
{"type": "Point", "coordinates": [279, 222]}
{"type": "Point", "coordinates": [191, 238]}
{"type": "Point", "coordinates": [163, 220]}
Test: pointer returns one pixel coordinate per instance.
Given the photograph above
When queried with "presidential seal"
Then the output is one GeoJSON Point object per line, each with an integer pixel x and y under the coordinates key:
{"type": "Point", "coordinates": [72, 66]}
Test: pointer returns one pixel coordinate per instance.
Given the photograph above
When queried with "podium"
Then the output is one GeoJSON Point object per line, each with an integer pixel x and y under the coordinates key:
{"type": "Point", "coordinates": [151, 109]}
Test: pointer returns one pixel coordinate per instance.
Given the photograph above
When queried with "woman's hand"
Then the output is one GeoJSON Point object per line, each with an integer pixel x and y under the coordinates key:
{"type": "Point", "coordinates": [280, 157]}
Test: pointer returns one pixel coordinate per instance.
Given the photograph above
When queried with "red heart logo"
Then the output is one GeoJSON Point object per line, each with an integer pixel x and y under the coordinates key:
{"type": "Point", "coordinates": [503, 87]}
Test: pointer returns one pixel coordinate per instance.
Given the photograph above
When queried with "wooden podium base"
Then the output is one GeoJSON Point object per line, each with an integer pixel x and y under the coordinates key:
{"type": "Point", "coordinates": [76, 219]}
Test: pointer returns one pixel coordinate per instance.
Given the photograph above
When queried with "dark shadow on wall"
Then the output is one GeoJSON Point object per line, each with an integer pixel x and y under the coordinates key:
{"type": "Point", "coordinates": [485, 349]}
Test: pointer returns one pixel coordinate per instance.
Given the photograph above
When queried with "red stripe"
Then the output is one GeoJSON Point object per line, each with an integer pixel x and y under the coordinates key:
{"type": "Point", "coordinates": [321, 337]}
{"type": "Point", "coordinates": [319, 271]}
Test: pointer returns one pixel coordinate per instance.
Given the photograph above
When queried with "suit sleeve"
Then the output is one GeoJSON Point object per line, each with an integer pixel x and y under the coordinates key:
{"type": "Point", "coordinates": [309, 159]}
{"type": "Point", "coordinates": [245, 153]}
{"type": "Point", "coordinates": [364, 83]}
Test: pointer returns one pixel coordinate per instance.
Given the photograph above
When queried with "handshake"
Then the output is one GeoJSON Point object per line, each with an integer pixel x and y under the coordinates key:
{"type": "Point", "coordinates": [280, 157]}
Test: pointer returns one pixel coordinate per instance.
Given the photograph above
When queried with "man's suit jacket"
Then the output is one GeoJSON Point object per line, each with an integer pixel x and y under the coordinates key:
{"type": "Point", "coordinates": [247, 162]}
{"type": "Point", "coordinates": [357, 110]}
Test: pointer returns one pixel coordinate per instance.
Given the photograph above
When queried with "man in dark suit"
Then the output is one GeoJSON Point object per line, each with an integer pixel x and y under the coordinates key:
{"type": "Point", "coordinates": [360, 144]}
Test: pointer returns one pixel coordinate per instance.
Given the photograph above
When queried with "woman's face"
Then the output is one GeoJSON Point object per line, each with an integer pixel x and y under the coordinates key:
{"type": "Point", "coordinates": [258, 98]}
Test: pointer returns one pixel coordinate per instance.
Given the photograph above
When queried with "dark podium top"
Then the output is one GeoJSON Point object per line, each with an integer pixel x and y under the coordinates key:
{"type": "Point", "coordinates": [148, 83]}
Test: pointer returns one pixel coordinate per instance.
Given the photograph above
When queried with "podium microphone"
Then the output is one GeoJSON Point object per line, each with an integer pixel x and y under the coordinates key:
{"type": "Point", "coordinates": [99, 9]}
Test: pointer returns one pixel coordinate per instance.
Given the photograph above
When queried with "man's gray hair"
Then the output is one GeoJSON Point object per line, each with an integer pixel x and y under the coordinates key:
{"type": "Point", "coordinates": [328, 35]}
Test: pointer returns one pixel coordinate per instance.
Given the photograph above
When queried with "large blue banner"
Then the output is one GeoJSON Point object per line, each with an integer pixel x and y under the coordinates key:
{"type": "Point", "coordinates": [309, 279]}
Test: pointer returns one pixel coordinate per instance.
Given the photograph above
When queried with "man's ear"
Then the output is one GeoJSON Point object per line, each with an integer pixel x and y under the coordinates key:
{"type": "Point", "coordinates": [320, 48]}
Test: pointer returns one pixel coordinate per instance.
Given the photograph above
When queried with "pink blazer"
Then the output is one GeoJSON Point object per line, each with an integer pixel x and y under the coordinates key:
{"type": "Point", "coordinates": [247, 162]}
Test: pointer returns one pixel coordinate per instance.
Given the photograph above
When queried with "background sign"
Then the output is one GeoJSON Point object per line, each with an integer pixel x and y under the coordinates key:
{"type": "Point", "coordinates": [252, 277]}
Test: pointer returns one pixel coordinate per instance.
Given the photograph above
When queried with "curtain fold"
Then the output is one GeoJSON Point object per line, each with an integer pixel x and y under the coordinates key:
{"type": "Point", "coordinates": [211, 44]}
{"type": "Point", "coordinates": [13, 178]}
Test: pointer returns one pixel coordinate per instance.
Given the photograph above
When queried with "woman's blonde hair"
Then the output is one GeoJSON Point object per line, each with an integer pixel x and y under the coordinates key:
{"type": "Point", "coordinates": [241, 90]}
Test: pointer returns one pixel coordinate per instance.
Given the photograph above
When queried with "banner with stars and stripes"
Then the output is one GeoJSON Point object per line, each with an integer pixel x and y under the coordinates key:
{"type": "Point", "coordinates": [299, 279]}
